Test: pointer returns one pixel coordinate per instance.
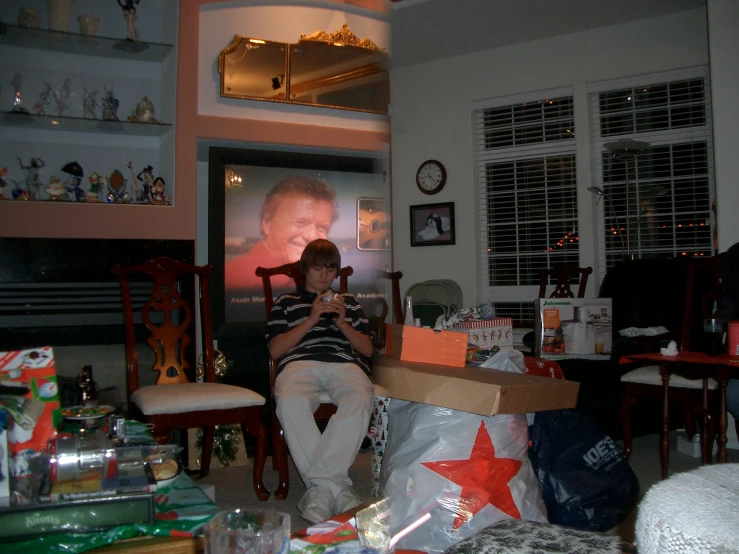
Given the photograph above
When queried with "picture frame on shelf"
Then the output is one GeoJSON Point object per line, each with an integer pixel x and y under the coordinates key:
{"type": "Point", "coordinates": [432, 224]}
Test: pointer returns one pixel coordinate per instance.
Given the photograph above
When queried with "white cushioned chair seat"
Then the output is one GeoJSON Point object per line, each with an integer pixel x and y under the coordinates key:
{"type": "Point", "coordinates": [324, 398]}
{"type": "Point", "coordinates": [649, 375]}
{"type": "Point", "coordinates": [192, 397]}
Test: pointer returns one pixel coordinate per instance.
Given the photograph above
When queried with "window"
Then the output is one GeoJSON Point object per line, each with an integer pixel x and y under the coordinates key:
{"type": "Point", "coordinates": [527, 197]}
{"type": "Point", "coordinates": [669, 186]}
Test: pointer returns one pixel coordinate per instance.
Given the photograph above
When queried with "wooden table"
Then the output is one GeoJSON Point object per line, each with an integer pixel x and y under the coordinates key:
{"type": "Point", "coordinates": [698, 365]}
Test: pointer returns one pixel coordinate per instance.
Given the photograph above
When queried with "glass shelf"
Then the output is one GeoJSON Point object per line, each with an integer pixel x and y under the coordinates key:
{"type": "Point", "coordinates": [80, 125]}
{"type": "Point", "coordinates": [70, 43]}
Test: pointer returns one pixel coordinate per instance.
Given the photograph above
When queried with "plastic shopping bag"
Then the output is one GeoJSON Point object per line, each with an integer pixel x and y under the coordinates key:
{"type": "Point", "coordinates": [467, 471]}
{"type": "Point", "coordinates": [584, 480]}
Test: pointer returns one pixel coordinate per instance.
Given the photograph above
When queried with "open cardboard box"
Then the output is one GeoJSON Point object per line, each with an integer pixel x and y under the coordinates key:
{"type": "Point", "coordinates": [473, 389]}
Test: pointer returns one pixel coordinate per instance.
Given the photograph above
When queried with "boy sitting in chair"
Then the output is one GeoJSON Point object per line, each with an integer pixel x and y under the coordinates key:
{"type": "Point", "coordinates": [322, 341]}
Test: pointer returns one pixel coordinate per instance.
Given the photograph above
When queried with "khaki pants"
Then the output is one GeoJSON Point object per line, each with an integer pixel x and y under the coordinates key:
{"type": "Point", "coordinates": [324, 459]}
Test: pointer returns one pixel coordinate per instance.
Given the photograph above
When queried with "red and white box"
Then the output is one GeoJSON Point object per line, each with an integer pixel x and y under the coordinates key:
{"type": "Point", "coordinates": [487, 333]}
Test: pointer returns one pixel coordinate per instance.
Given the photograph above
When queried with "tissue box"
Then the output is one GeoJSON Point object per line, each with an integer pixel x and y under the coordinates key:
{"type": "Point", "coordinates": [416, 344]}
{"type": "Point", "coordinates": [36, 416]}
{"type": "Point", "coordinates": [486, 333]}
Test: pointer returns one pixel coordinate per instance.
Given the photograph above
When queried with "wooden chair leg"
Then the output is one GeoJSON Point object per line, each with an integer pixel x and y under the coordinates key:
{"type": "Point", "coordinates": [626, 403]}
{"type": "Point", "coordinates": [279, 448]}
{"type": "Point", "coordinates": [259, 431]}
{"type": "Point", "coordinates": [207, 452]}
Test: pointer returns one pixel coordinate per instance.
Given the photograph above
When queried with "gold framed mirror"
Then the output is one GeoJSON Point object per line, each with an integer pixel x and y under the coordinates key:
{"type": "Point", "coordinates": [336, 70]}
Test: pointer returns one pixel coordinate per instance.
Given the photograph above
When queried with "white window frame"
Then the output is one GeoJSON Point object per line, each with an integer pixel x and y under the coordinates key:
{"type": "Point", "coordinates": [520, 293]}
{"type": "Point", "coordinates": [654, 138]}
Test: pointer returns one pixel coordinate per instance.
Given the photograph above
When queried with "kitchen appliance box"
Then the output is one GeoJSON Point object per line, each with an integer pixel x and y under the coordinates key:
{"type": "Point", "coordinates": [417, 344]}
{"type": "Point", "coordinates": [573, 328]}
{"type": "Point", "coordinates": [472, 389]}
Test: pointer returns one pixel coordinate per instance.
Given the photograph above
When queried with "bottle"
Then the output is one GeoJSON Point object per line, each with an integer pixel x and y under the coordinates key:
{"type": "Point", "coordinates": [409, 312]}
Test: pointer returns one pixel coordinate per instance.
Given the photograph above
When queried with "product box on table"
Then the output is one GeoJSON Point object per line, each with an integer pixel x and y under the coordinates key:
{"type": "Point", "coordinates": [35, 416]}
{"type": "Point", "coordinates": [472, 389]}
{"type": "Point", "coordinates": [416, 344]}
{"type": "Point", "coordinates": [573, 328]}
{"type": "Point", "coordinates": [487, 333]}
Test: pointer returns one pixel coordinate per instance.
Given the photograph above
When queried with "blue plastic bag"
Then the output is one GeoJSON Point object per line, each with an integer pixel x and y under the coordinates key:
{"type": "Point", "coordinates": [585, 481]}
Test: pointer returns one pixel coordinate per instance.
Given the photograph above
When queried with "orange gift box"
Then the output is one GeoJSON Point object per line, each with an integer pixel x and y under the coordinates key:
{"type": "Point", "coordinates": [416, 344]}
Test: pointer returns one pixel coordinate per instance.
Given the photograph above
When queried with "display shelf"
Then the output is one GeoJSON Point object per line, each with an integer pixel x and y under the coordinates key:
{"type": "Point", "coordinates": [71, 43]}
{"type": "Point", "coordinates": [81, 125]}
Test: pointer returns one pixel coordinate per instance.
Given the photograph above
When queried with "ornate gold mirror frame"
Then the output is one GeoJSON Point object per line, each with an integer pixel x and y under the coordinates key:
{"type": "Point", "coordinates": [332, 70]}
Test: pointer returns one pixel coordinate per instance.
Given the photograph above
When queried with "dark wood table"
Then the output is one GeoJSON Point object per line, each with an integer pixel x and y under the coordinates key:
{"type": "Point", "coordinates": [696, 365]}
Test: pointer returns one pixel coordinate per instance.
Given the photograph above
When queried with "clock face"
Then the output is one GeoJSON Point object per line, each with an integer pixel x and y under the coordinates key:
{"type": "Point", "coordinates": [431, 177]}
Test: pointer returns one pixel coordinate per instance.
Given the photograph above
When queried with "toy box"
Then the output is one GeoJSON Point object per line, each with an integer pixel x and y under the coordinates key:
{"type": "Point", "coordinates": [35, 416]}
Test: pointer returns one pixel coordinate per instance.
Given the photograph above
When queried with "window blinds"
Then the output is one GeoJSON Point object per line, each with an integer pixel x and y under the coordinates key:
{"type": "Point", "coordinates": [527, 196]}
{"type": "Point", "coordinates": [670, 185]}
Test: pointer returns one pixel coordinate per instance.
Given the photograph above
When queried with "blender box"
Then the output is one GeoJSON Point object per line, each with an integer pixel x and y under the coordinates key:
{"type": "Point", "coordinates": [573, 328]}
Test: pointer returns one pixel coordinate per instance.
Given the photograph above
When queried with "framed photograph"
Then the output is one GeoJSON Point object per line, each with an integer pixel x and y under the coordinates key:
{"type": "Point", "coordinates": [432, 224]}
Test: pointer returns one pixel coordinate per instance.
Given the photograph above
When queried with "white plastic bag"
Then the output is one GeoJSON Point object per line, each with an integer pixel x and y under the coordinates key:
{"type": "Point", "coordinates": [468, 471]}
{"type": "Point", "coordinates": [506, 360]}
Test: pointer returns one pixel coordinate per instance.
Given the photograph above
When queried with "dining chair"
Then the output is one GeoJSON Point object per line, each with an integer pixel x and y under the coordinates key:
{"type": "Point", "coordinates": [178, 400]}
{"type": "Point", "coordinates": [701, 292]}
{"type": "Point", "coordinates": [326, 408]}
{"type": "Point", "coordinates": [378, 310]}
{"type": "Point", "coordinates": [561, 275]}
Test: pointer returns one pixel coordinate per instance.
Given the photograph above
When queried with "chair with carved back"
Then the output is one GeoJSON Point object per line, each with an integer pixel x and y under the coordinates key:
{"type": "Point", "coordinates": [696, 396]}
{"type": "Point", "coordinates": [326, 408]}
{"type": "Point", "coordinates": [178, 401]}
{"type": "Point", "coordinates": [378, 311]}
{"type": "Point", "coordinates": [561, 276]}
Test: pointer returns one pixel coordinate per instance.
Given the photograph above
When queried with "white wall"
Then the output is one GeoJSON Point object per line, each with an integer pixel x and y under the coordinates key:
{"type": "Point", "coordinates": [431, 118]}
{"type": "Point", "coordinates": [723, 40]}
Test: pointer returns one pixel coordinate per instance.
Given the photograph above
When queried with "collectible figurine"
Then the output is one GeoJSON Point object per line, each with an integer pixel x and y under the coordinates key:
{"type": "Point", "coordinates": [55, 189]}
{"type": "Point", "coordinates": [117, 193]}
{"type": "Point", "coordinates": [97, 183]}
{"type": "Point", "coordinates": [43, 100]}
{"type": "Point", "coordinates": [110, 105]}
{"type": "Point", "coordinates": [74, 186]}
{"type": "Point", "coordinates": [17, 83]}
{"type": "Point", "coordinates": [157, 192]}
{"type": "Point", "coordinates": [19, 193]}
{"type": "Point", "coordinates": [89, 104]}
{"type": "Point", "coordinates": [129, 14]}
{"type": "Point", "coordinates": [33, 181]}
{"type": "Point", "coordinates": [143, 112]}
{"type": "Point", "coordinates": [142, 183]}
{"type": "Point", "coordinates": [62, 98]}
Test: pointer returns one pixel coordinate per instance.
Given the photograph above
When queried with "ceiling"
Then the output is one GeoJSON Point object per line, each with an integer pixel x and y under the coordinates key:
{"type": "Point", "coordinates": [427, 30]}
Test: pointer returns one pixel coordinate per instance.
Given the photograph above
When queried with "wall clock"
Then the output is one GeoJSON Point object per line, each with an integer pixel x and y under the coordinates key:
{"type": "Point", "coordinates": [431, 177]}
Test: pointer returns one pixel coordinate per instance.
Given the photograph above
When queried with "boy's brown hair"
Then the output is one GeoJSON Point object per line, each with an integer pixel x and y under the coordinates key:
{"type": "Point", "coordinates": [320, 252]}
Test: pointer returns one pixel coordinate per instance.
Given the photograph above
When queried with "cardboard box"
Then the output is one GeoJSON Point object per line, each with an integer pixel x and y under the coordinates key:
{"type": "Point", "coordinates": [472, 389]}
{"type": "Point", "coordinates": [416, 344]}
{"type": "Point", "coordinates": [486, 333]}
{"type": "Point", "coordinates": [569, 328]}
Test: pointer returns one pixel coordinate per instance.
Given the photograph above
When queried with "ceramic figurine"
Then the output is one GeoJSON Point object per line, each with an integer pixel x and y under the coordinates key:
{"type": "Point", "coordinates": [33, 181]}
{"type": "Point", "coordinates": [142, 183]}
{"type": "Point", "coordinates": [97, 184]}
{"type": "Point", "coordinates": [117, 193]}
{"type": "Point", "coordinates": [129, 14]}
{"type": "Point", "coordinates": [143, 112]}
{"type": "Point", "coordinates": [157, 192]}
{"type": "Point", "coordinates": [56, 189]}
{"type": "Point", "coordinates": [74, 186]}
{"type": "Point", "coordinates": [110, 105]}
{"type": "Point", "coordinates": [89, 103]}
{"type": "Point", "coordinates": [61, 99]}
{"type": "Point", "coordinates": [44, 99]}
{"type": "Point", "coordinates": [19, 193]}
{"type": "Point", "coordinates": [17, 83]}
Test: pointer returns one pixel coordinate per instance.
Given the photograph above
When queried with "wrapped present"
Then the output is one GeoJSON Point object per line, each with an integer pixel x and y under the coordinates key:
{"type": "Point", "coordinates": [487, 333]}
{"type": "Point", "coordinates": [417, 344]}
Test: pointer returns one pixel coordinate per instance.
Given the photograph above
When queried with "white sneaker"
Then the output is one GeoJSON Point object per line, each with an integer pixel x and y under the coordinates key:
{"type": "Point", "coordinates": [346, 500]}
{"type": "Point", "coordinates": [316, 504]}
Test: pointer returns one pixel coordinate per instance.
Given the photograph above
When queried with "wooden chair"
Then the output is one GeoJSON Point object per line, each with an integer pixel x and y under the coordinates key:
{"type": "Point", "coordinates": [561, 275]}
{"type": "Point", "coordinates": [175, 402]}
{"type": "Point", "coordinates": [377, 317]}
{"type": "Point", "coordinates": [326, 408]}
{"type": "Point", "coordinates": [696, 396]}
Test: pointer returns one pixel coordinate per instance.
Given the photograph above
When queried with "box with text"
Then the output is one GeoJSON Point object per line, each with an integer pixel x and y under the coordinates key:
{"type": "Point", "coordinates": [573, 328]}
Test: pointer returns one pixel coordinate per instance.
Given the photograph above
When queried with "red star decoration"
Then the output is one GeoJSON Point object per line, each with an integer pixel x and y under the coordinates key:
{"type": "Point", "coordinates": [483, 477]}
